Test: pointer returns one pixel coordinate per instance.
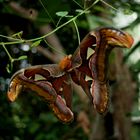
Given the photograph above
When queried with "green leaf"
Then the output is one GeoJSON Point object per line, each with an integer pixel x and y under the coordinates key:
{"type": "Point", "coordinates": [22, 57]}
{"type": "Point", "coordinates": [18, 34]}
{"type": "Point", "coordinates": [36, 43]}
{"type": "Point", "coordinates": [62, 13]}
{"type": "Point", "coordinates": [80, 11]}
{"type": "Point", "coordinates": [8, 68]}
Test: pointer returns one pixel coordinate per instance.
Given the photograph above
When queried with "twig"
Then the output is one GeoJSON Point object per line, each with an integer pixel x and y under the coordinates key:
{"type": "Point", "coordinates": [53, 41]}
{"type": "Point", "coordinates": [48, 54]}
{"type": "Point", "coordinates": [22, 11]}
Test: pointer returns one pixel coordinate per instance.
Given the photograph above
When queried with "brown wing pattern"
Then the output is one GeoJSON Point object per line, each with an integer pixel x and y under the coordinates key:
{"type": "Point", "coordinates": [53, 82]}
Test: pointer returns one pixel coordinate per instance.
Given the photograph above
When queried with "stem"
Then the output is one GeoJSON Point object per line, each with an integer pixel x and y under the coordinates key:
{"type": "Point", "coordinates": [64, 24]}
{"type": "Point", "coordinates": [13, 42]}
{"type": "Point", "coordinates": [10, 57]}
{"type": "Point", "coordinates": [108, 5]}
{"type": "Point", "coordinates": [8, 37]}
{"type": "Point", "coordinates": [56, 29]}
{"type": "Point", "coordinates": [47, 11]}
{"type": "Point", "coordinates": [53, 48]}
{"type": "Point", "coordinates": [58, 21]}
{"type": "Point", "coordinates": [78, 4]}
{"type": "Point", "coordinates": [77, 31]}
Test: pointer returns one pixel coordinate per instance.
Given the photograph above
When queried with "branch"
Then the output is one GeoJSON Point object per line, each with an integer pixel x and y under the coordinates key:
{"type": "Point", "coordinates": [123, 95]}
{"type": "Point", "coordinates": [53, 40]}
{"type": "Point", "coordinates": [27, 13]}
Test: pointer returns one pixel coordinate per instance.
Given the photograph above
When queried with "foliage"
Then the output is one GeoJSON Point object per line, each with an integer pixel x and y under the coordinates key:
{"type": "Point", "coordinates": [20, 40]}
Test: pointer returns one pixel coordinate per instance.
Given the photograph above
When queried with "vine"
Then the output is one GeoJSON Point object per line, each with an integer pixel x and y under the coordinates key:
{"type": "Point", "coordinates": [17, 39]}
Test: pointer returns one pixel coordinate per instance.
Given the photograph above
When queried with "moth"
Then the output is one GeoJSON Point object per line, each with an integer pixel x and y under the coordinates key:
{"type": "Point", "coordinates": [53, 81]}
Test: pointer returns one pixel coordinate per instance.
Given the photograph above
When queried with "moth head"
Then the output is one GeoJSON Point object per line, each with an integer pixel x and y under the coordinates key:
{"type": "Point", "coordinates": [65, 64]}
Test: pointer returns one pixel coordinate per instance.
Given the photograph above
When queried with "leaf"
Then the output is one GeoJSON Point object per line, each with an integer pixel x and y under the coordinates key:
{"type": "Point", "coordinates": [36, 43]}
{"type": "Point", "coordinates": [8, 68]}
{"type": "Point", "coordinates": [22, 57]}
{"type": "Point", "coordinates": [18, 34]}
{"type": "Point", "coordinates": [80, 11]}
{"type": "Point", "coordinates": [62, 13]}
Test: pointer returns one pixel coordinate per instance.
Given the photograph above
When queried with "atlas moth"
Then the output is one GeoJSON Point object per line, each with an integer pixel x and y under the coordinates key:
{"type": "Point", "coordinates": [55, 79]}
